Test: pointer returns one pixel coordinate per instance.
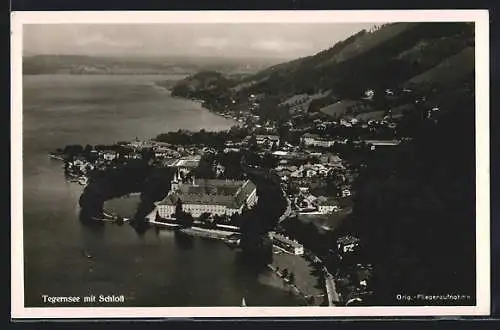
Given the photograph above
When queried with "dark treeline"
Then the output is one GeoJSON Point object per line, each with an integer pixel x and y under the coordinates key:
{"type": "Point", "coordinates": [210, 86]}
{"type": "Point", "coordinates": [207, 138]}
{"type": "Point", "coordinates": [77, 150]}
{"type": "Point", "coordinates": [415, 209]}
{"type": "Point", "coordinates": [258, 221]}
{"type": "Point", "coordinates": [104, 185]}
{"type": "Point", "coordinates": [136, 176]}
{"type": "Point", "coordinates": [229, 160]}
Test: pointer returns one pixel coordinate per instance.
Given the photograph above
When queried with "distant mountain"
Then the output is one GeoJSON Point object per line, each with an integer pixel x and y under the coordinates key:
{"type": "Point", "coordinates": [83, 64]}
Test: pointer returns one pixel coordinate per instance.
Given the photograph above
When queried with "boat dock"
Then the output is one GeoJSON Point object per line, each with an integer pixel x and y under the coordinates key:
{"type": "Point", "coordinates": [163, 224]}
{"type": "Point", "coordinates": [207, 233]}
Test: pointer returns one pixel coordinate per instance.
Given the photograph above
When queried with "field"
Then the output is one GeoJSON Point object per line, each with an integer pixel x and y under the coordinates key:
{"type": "Point", "coordinates": [451, 70]}
{"type": "Point", "coordinates": [305, 281]}
{"type": "Point", "coordinates": [124, 206]}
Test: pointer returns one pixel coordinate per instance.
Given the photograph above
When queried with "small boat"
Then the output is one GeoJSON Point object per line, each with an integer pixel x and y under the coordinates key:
{"type": "Point", "coordinates": [56, 156]}
{"type": "Point", "coordinates": [243, 302]}
{"type": "Point", "coordinates": [85, 252]}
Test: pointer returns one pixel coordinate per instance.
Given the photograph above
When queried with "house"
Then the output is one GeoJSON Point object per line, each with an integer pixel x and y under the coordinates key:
{"type": "Point", "coordinates": [369, 94]}
{"type": "Point", "coordinates": [219, 170]}
{"type": "Point", "coordinates": [309, 139]}
{"type": "Point", "coordinates": [287, 244]}
{"type": "Point", "coordinates": [267, 140]}
{"type": "Point", "coordinates": [109, 154]}
{"type": "Point", "coordinates": [364, 275]}
{"type": "Point", "coordinates": [346, 192]}
{"type": "Point", "coordinates": [327, 205]}
{"type": "Point", "coordinates": [280, 154]}
{"type": "Point", "coordinates": [310, 199]}
{"type": "Point", "coordinates": [134, 155]}
{"type": "Point", "coordinates": [329, 158]}
{"type": "Point", "coordinates": [345, 122]}
{"type": "Point", "coordinates": [347, 244]}
{"type": "Point", "coordinates": [162, 152]}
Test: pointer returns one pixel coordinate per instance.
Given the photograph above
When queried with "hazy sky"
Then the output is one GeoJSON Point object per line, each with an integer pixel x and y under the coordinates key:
{"type": "Point", "coordinates": [289, 40]}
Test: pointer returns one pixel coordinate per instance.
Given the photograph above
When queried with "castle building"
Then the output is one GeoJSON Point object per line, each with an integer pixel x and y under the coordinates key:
{"type": "Point", "coordinates": [217, 197]}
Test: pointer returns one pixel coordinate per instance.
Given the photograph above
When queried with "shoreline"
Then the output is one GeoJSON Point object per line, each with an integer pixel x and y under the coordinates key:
{"type": "Point", "coordinates": [197, 101]}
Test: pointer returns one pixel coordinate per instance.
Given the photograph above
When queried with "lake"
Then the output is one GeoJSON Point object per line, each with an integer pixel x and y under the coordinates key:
{"type": "Point", "coordinates": [64, 257]}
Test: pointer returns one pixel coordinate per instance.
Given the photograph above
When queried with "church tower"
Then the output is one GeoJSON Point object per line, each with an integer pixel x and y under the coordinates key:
{"type": "Point", "coordinates": [174, 183]}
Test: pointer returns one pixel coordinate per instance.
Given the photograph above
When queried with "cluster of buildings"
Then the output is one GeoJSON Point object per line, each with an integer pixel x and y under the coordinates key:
{"type": "Point", "coordinates": [309, 170]}
{"type": "Point", "coordinates": [305, 184]}
{"type": "Point", "coordinates": [212, 196]}
{"type": "Point", "coordinates": [353, 279]}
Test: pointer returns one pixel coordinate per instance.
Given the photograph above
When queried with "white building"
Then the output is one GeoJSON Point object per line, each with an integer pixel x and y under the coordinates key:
{"type": "Point", "coordinates": [109, 154]}
{"type": "Point", "coordinates": [218, 197]}
{"type": "Point", "coordinates": [267, 139]}
{"type": "Point", "coordinates": [313, 140]}
{"type": "Point", "coordinates": [347, 244]}
{"type": "Point", "coordinates": [346, 193]}
{"type": "Point", "coordinates": [369, 94]}
{"type": "Point", "coordinates": [327, 208]}
{"type": "Point", "coordinates": [327, 205]}
{"type": "Point", "coordinates": [287, 244]}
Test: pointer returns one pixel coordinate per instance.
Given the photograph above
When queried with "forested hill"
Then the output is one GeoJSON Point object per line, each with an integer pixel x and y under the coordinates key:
{"type": "Point", "coordinates": [393, 55]}
{"type": "Point", "coordinates": [203, 83]}
{"type": "Point", "coordinates": [384, 58]}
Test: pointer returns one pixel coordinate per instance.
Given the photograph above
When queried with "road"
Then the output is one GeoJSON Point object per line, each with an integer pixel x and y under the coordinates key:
{"type": "Point", "coordinates": [288, 210]}
{"type": "Point", "coordinates": [331, 290]}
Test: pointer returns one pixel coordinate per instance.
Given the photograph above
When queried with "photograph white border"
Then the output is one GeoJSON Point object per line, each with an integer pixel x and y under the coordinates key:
{"type": "Point", "coordinates": [481, 19]}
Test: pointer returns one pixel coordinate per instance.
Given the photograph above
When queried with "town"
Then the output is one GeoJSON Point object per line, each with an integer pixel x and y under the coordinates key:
{"type": "Point", "coordinates": [314, 156]}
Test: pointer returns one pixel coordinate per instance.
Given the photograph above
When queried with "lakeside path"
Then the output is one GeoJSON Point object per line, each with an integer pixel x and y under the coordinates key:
{"type": "Point", "coordinates": [306, 283]}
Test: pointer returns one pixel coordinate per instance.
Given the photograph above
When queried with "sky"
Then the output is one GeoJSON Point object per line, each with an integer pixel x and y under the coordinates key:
{"type": "Point", "coordinates": [270, 40]}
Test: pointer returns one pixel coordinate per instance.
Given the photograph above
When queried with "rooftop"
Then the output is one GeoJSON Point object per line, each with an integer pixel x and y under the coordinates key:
{"type": "Point", "coordinates": [269, 137]}
{"type": "Point", "coordinates": [349, 239]}
{"type": "Point", "coordinates": [286, 240]}
{"type": "Point", "coordinates": [232, 194]}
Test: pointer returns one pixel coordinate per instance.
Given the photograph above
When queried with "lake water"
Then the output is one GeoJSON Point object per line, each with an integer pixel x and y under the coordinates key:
{"type": "Point", "coordinates": [63, 257]}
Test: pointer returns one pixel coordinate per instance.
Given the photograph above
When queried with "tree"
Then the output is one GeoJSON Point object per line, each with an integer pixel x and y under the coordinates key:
{"type": "Point", "coordinates": [204, 217]}
{"type": "Point", "coordinates": [252, 142]}
{"type": "Point", "coordinates": [178, 208]}
{"type": "Point", "coordinates": [88, 148]}
{"type": "Point", "coordinates": [185, 219]}
{"type": "Point", "coordinates": [147, 154]}
{"type": "Point", "coordinates": [245, 207]}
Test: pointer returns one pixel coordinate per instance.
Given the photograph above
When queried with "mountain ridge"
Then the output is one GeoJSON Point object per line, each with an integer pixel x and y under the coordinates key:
{"type": "Point", "coordinates": [395, 56]}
